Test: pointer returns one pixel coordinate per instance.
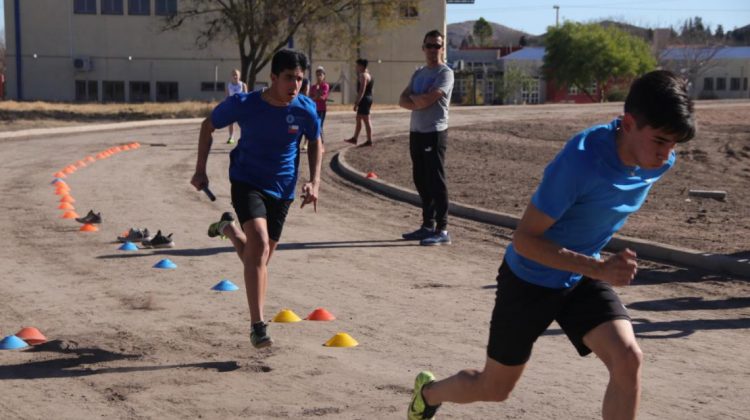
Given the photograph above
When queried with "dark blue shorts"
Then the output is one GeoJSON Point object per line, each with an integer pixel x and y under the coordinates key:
{"type": "Point", "coordinates": [252, 203]}
{"type": "Point", "coordinates": [523, 311]}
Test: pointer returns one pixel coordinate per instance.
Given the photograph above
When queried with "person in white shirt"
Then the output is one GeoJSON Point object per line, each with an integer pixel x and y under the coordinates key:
{"type": "Point", "coordinates": [233, 87]}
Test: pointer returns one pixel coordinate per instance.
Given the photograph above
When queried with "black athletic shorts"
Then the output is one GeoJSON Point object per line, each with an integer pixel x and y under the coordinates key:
{"type": "Point", "coordinates": [364, 105]}
{"type": "Point", "coordinates": [523, 311]}
{"type": "Point", "coordinates": [251, 203]}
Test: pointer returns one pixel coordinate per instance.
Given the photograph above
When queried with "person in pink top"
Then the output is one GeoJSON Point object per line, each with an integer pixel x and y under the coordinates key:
{"type": "Point", "coordinates": [319, 93]}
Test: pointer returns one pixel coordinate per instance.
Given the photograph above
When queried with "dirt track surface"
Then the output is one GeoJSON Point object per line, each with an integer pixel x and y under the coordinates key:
{"type": "Point", "coordinates": [497, 162]}
{"type": "Point", "coordinates": [135, 342]}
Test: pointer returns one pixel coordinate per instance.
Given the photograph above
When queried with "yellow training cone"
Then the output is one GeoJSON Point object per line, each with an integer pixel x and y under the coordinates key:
{"type": "Point", "coordinates": [286, 315]}
{"type": "Point", "coordinates": [341, 340]}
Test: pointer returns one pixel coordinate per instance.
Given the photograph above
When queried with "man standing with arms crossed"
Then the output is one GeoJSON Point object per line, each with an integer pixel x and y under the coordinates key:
{"type": "Point", "coordinates": [428, 96]}
{"type": "Point", "coordinates": [263, 171]}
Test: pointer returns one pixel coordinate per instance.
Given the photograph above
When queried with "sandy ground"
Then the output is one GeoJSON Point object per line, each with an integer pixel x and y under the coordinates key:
{"type": "Point", "coordinates": [497, 164]}
{"type": "Point", "coordinates": [136, 342]}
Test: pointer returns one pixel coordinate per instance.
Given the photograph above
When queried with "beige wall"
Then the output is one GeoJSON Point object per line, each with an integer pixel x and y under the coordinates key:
{"type": "Point", "coordinates": [156, 56]}
{"type": "Point", "coordinates": [726, 69]}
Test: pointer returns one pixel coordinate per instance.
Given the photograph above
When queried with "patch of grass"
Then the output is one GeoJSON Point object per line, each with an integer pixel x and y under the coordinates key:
{"type": "Point", "coordinates": [14, 111]}
{"type": "Point", "coordinates": [24, 115]}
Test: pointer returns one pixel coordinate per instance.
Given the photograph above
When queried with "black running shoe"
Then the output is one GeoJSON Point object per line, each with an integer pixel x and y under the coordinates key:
{"type": "Point", "coordinates": [90, 218]}
{"type": "Point", "coordinates": [419, 234]}
{"type": "Point", "coordinates": [259, 337]}
{"type": "Point", "coordinates": [159, 241]}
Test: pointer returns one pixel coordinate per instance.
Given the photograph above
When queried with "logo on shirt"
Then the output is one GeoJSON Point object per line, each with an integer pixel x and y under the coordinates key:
{"type": "Point", "coordinates": [289, 119]}
{"type": "Point", "coordinates": [292, 129]}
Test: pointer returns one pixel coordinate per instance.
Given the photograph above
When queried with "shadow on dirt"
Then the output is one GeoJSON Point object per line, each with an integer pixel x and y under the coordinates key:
{"type": "Point", "coordinates": [71, 365]}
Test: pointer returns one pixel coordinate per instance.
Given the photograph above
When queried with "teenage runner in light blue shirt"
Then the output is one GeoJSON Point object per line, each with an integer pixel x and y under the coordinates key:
{"type": "Point", "coordinates": [553, 271]}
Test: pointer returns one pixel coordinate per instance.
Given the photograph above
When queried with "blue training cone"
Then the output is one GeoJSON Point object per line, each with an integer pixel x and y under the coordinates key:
{"type": "Point", "coordinates": [225, 286]}
{"type": "Point", "coordinates": [128, 246]}
{"type": "Point", "coordinates": [12, 342]}
{"type": "Point", "coordinates": [166, 263]}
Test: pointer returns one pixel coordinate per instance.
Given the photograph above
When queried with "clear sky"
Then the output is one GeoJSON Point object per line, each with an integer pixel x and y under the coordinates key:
{"type": "Point", "coordinates": [533, 16]}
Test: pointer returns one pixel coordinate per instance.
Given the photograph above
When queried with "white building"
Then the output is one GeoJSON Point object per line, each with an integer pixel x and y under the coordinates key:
{"type": "Point", "coordinates": [115, 50]}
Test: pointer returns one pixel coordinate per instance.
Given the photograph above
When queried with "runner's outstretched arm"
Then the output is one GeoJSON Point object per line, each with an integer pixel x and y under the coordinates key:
{"type": "Point", "coordinates": [205, 139]}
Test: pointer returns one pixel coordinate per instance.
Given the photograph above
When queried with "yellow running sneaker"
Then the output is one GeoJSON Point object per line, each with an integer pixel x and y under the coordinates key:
{"type": "Point", "coordinates": [418, 409]}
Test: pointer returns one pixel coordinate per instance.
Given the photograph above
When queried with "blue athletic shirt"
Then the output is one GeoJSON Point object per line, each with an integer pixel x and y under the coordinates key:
{"type": "Point", "coordinates": [590, 193]}
{"type": "Point", "coordinates": [267, 154]}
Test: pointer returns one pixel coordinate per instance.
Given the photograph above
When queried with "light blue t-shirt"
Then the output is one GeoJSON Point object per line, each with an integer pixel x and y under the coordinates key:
{"type": "Point", "coordinates": [267, 154]}
{"type": "Point", "coordinates": [590, 193]}
{"type": "Point", "coordinates": [434, 117]}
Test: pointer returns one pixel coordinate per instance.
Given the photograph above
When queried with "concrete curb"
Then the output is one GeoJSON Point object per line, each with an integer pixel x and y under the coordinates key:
{"type": "Point", "coordinates": [645, 249]}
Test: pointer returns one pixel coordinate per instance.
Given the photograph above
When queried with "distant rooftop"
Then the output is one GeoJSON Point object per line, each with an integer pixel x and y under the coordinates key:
{"type": "Point", "coordinates": [527, 53]}
{"type": "Point", "coordinates": [677, 53]}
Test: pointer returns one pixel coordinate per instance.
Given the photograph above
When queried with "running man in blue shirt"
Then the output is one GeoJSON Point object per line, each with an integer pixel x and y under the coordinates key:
{"type": "Point", "coordinates": [553, 270]}
{"type": "Point", "coordinates": [263, 171]}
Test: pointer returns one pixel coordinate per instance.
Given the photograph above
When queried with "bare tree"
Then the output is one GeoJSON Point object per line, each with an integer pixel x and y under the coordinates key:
{"type": "Point", "coordinates": [693, 52]}
{"type": "Point", "coordinates": [262, 27]}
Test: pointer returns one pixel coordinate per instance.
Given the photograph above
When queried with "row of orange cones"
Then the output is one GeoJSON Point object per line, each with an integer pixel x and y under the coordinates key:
{"type": "Point", "coordinates": [30, 335]}
{"type": "Point", "coordinates": [62, 188]}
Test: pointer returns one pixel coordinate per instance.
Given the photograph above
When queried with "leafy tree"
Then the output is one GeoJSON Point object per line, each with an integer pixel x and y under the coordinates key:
{"type": "Point", "coordinates": [483, 31]}
{"type": "Point", "coordinates": [262, 27]}
{"type": "Point", "coordinates": [719, 34]}
{"type": "Point", "coordinates": [579, 54]}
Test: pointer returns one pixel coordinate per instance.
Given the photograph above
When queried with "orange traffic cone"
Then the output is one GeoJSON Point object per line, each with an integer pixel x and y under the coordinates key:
{"type": "Point", "coordinates": [66, 206]}
{"type": "Point", "coordinates": [67, 198]}
{"type": "Point", "coordinates": [88, 227]}
{"type": "Point", "coordinates": [31, 335]}
{"type": "Point", "coordinates": [320, 314]}
{"type": "Point", "coordinates": [70, 214]}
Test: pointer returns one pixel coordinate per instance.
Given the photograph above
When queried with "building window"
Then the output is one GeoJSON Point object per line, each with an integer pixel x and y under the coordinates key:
{"type": "Point", "coordinates": [721, 83]}
{"type": "Point", "coordinates": [708, 83]}
{"type": "Point", "coordinates": [113, 91]}
{"type": "Point", "coordinates": [167, 92]}
{"type": "Point", "coordinates": [140, 91]}
{"type": "Point", "coordinates": [734, 83]}
{"type": "Point", "coordinates": [408, 9]}
{"type": "Point", "coordinates": [212, 87]}
{"type": "Point", "coordinates": [139, 7]}
{"type": "Point", "coordinates": [530, 92]}
{"type": "Point", "coordinates": [572, 90]}
{"type": "Point", "coordinates": [112, 7]}
{"type": "Point", "coordinates": [165, 7]}
{"type": "Point", "coordinates": [84, 7]}
{"type": "Point", "coordinates": [744, 83]}
{"type": "Point", "coordinates": [87, 91]}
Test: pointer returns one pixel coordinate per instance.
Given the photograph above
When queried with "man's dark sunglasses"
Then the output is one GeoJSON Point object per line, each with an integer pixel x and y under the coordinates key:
{"type": "Point", "coordinates": [433, 46]}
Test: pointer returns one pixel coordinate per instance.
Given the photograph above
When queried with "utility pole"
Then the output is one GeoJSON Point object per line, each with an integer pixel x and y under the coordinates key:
{"type": "Point", "coordinates": [557, 15]}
